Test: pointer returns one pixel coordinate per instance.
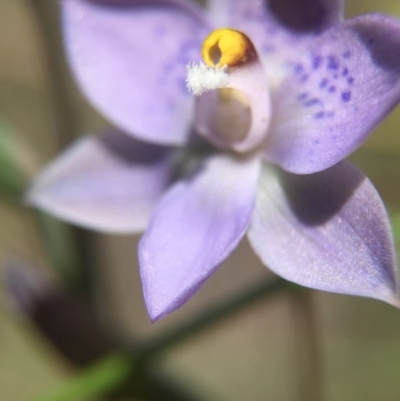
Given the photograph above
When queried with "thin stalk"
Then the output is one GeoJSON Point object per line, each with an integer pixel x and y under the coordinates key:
{"type": "Point", "coordinates": [307, 345]}
{"type": "Point", "coordinates": [100, 379]}
{"type": "Point", "coordinates": [211, 316]}
{"type": "Point", "coordinates": [47, 19]}
{"type": "Point", "coordinates": [95, 381]}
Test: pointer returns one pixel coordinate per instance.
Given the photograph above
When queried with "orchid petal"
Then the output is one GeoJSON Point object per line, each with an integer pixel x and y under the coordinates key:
{"type": "Point", "coordinates": [129, 57]}
{"type": "Point", "coordinates": [278, 28]}
{"type": "Point", "coordinates": [109, 182]}
{"type": "Point", "coordinates": [328, 231]}
{"type": "Point", "coordinates": [336, 94]}
{"type": "Point", "coordinates": [194, 228]}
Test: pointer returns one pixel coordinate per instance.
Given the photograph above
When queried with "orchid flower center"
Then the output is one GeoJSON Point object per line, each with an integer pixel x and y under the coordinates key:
{"type": "Point", "coordinates": [232, 107]}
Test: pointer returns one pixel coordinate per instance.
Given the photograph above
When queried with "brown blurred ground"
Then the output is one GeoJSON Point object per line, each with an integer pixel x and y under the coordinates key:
{"type": "Point", "coordinates": [250, 357]}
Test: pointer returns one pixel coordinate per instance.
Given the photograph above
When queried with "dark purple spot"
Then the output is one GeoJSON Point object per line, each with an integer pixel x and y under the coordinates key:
{"type": "Point", "coordinates": [168, 68]}
{"type": "Point", "coordinates": [332, 89]}
{"type": "Point", "coordinates": [346, 96]}
{"type": "Point", "coordinates": [298, 68]}
{"type": "Point", "coordinates": [316, 141]}
{"type": "Point", "coordinates": [333, 64]}
{"type": "Point", "coordinates": [268, 48]}
{"type": "Point", "coordinates": [187, 52]}
{"type": "Point", "coordinates": [323, 83]}
{"type": "Point", "coordinates": [345, 71]}
{"type": "Point", "coordinates": [346, 54]}
{"type": "Point", "coordinates": [248, 14]}
{"type": "Point", "coordinates": [316, 62]}
{"type": "Point", "coordinates": [312, 102]}
{"type": "Point", "coordinates": [302, 96]}
{"type": "Point", "coordinates": [181, 83]}
{"type": "Point", "coordinates": [350, 80]}
{"type": "Point", "coordinates": [335, 76]}
{"type": "Point", "coordinates": [304, 78]}
{"type": "Point", "coordinates": [319, 115]}
{"type": "Point", "coordinates": [371, 41]}
{"type": "Point", "coordinates": [171, 105]}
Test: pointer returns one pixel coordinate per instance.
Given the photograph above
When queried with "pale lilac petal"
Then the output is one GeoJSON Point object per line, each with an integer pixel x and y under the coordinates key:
{"type": "Point", "coordinates": [109, 182]}
{"type": "Point", "coordinates": [327, 230]}
{"type": "Point", "coordinates": [278, 28]}
{"type": "Point", "coordinates": [129, 57]}
{"type": "Point", "coordinates": [194, 228]}
{"type": "Point", "coordinates": [336, 94]}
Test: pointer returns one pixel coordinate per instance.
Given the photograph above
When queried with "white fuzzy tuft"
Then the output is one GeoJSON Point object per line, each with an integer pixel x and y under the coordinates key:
{"type": "Point", "coordinates": [201, 78]}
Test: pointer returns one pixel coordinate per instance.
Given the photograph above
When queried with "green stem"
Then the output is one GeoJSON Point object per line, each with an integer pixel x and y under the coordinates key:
{"type": "Point", "coordinates": [211, 316]}
{"type": "Point", "coordinates": [113, 372]}
{"type": "Point", "coordinates": [101, 378]}
{"type": "Point", "coordinates": [310, 374]}
{"type": "Point", "coordinates": [47, 18]}
{"type": "Point", "coordinates": [61, 249]}
{"type": "Point", "coordinates": [395, 221]}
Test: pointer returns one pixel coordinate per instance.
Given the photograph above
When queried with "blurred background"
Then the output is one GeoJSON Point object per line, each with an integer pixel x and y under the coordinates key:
{"type": "Point", "coordinates": [257, 353]}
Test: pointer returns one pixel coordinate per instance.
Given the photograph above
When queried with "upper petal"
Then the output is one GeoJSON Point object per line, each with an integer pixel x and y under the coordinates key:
{"type": "Point", "coordinates": [109, 182]}
{"type": "Point", "coordinates": [195, 227]}
{"type": "Point", "coordinates": [335, 94]}
{"type": "Point", "coordinates": [328, 231]}
{"type": "Point", "coordinates": [280, 29]}
{"type": "Point", "coordinates": [129, 57]}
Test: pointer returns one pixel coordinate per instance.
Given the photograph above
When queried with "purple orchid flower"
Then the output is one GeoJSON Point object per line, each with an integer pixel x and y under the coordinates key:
{"type": "Point", "coordinates": [276, 127]}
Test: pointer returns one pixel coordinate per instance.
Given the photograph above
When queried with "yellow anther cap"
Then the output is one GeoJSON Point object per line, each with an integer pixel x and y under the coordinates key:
{"type": "Point", "coordinates": [227, 47]}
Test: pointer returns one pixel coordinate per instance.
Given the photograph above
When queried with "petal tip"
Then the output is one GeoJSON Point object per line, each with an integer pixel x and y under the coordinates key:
{"type": "Point", "coordinates": [158, 310]}
{"type": "Point", "coordinates": [394, 301]}
{"type": "Point", "coordinates": [155, 315]}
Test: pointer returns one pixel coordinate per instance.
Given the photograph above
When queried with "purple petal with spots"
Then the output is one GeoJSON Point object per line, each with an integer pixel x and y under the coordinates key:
{"type": "Point", "coordinates": [110, 182]}
{"type": "Point", "coordinates": [129, 58]}
{"type": "Point", "coordinates": [277, 27]}
{"type": "Point", "coordinates": [337, 93]}
{"type": "Point", "coordinates": [327, 230]}
{"type": "Point", "coordinates": [195, 227]}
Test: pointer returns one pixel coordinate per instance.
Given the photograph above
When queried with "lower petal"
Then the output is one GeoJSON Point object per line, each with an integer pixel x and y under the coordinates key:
{"type": "Point", "coordinates": [109, 182]}
{"type": "Point", "coordinates": [195, 227]}
{"type": "Point", "coordinates": [328, 231]}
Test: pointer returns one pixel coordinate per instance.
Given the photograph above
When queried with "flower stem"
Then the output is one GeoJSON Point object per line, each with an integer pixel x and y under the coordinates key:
{"type": "Point", "coordinates": [211, 316]}
{"type": "Point", "coordinates": [46, 15]}
{"type": "Point", "coordinates": [113, 371]}
{"type": "Point", "coordinates": [99, 379]}
{"type": "Point", "coordinates": [307, 346]}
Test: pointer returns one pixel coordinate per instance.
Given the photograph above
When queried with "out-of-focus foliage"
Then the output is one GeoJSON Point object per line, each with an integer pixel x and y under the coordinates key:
{"type": "Point", "coordinates": [17, 163]}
